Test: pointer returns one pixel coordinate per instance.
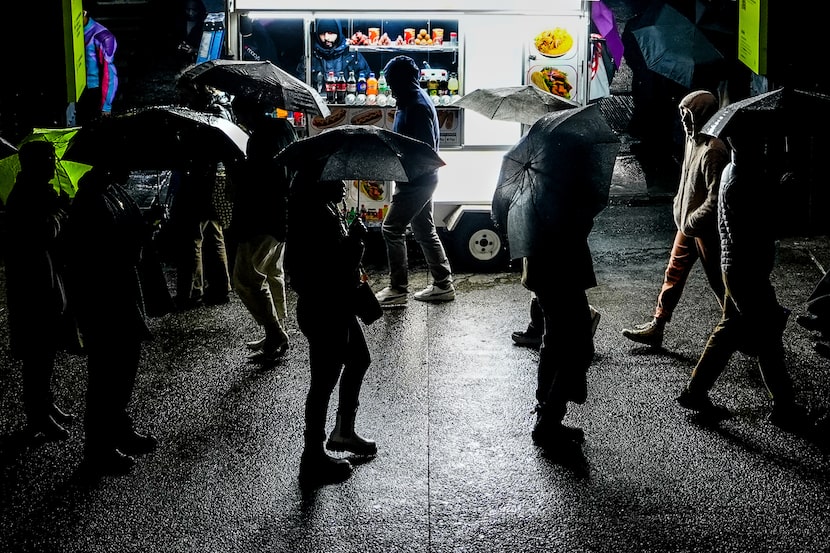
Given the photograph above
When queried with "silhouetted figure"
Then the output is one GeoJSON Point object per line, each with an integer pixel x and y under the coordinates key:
{"type": "Point", "coordinates": [753, 320]}
{"type": "Point", "coordinates": [105, 239]}
{"type": "Point", "coordinates": [323, 259]}
{"type": "Point", "coordinates": [695, 214]}
{"type": "Point", "coordinates": [36, 298]}
{"type": "Point", "coordinates": [258, 230]}
{"type": "Point", "coordinates": [411, 204]}
{"type": "Point", "coordinates": [817, 315]}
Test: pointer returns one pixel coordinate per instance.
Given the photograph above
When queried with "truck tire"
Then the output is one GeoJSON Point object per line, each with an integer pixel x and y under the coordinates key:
{"type": "Point", "coordinates": [477, 246]}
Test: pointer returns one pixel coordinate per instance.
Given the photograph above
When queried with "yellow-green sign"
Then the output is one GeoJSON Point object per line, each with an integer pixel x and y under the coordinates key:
{"type": "Point", "coordinates": [752, 34]}
{"type": "Point", "coordinates": [73, 38]}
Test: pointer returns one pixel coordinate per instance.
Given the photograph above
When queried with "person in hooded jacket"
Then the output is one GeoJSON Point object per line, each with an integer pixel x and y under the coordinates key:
{"type": "Point", "coordinates": [695, 214]}
{"type": "Point", "coordinates": [411, 203]}
{"type": "Point", "coordinates": [330, 52]}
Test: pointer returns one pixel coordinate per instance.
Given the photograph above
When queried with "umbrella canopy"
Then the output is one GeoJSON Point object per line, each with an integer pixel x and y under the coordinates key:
{"type": "Point", "coordinates": [779, 111]}
{"type": "Point", "coordinates": [521, 104]}
{"type": "Point", "coordinates": [362, 152]}
{"type": "Point", "coordinates": [606, 24]}
{"type": "Point", "coordinates": [158, 137]}
{"type": "Point", "coordinates": [67, 173]}
{"type": "Point", "coordinates": [556, 176]}
{"type": "Point", "coordinates": [260, 81]}
{"type": "Point", "coordinates": [6, 148]}
{"type": "Point", "coordinates": [673, 46]}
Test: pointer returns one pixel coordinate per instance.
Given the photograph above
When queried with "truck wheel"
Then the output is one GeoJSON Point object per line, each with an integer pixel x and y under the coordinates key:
{"type": "Point", "coordinates": [477, 245]}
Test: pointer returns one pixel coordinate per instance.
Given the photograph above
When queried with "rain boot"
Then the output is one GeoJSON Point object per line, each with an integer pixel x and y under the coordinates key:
{"type": "Point", "coordinates": [318, 468]}
{"type": "Point", "coordinates": [344, 438]}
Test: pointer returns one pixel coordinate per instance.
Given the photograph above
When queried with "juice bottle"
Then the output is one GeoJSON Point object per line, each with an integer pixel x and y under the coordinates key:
{"type": "Point", "coordinates": [371, 85]}
{"type": "Point", "coordinates": [452, 83]}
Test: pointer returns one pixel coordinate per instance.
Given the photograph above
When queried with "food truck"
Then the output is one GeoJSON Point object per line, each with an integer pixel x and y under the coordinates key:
{"type": "Point", "coordinates": [461, 45]}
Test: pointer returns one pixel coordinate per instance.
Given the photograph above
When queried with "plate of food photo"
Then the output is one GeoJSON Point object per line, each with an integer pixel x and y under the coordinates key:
{"type": "Point", "coordinates": [553, 43]}
{"type": "Point", "coordinates": [559, 80]}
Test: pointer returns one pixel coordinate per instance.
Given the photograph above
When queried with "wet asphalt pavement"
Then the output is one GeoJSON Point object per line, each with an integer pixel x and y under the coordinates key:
{"type": "Point", "coordinates": [448, 399]}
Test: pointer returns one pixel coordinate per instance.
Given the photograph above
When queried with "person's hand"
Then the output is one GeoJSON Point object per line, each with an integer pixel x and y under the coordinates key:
{"type": "Point", "coordinates": [357, 229]}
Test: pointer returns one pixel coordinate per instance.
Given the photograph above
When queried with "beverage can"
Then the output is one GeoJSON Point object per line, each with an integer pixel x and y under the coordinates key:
{"type": "Point", "coordinates": [408, 35]}
{"type": "Point", "coordinates": [374, 34]}
{"type": "Point", "coordinates": [438, 36]}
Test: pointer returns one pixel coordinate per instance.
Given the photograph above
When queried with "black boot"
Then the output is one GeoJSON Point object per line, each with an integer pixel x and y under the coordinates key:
{"type": "Point", "coordinates": [344, 438]}
{"type": "Point", "coordinates": [549, 432]}
{"type": "Point", "coordinates": [318, 468]}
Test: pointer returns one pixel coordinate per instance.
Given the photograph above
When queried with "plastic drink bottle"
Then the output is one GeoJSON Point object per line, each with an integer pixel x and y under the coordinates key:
{"type": "Point", "coordinates": [351, 84]}
{"type": "Point", "coordinates": [383, 86]}
{"type": "Point", "coordinates": [371, 85]}
{"type": "Point", "coordinates": [361, 84]}
{"type": "Point", "coordinates": [331, 88]}
{"type": "Point", "coordinates": [340, 89]}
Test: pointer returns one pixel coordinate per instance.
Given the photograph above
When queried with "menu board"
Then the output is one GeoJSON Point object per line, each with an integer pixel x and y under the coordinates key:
{"type": "Point", "coordinates": [752, 34]}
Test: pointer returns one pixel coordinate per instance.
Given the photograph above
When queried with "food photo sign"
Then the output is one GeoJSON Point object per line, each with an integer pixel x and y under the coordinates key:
{"type": "Point", "coordinates": [552, 59]}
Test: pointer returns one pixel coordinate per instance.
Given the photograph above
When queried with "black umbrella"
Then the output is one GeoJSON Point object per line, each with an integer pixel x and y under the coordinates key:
{"type": "Point", "coordinates": [557, 175]}
{"type": "Point", "coordinates": [673, 46]}
{"type": "Point", "coordinates": [520, 104]}
{"type": "Point", "coordinates": [259, 81]}
{"type": "Point", "coordinates": [777, 112]}
{"type": "Point", "coordinates": [158, 137]}
{"type": "Point", "coordinates": [362, 152]}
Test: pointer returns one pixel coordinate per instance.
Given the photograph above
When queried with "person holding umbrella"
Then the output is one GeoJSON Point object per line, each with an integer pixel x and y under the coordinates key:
{"type": "Point", "coordinates": [35, 225]}
{"type": "Point", "coordinates": [411, 203]}
{"type": "Point", "coordinates": [104, 239]}
{"type": "Point", "coordinates": [323, 262]}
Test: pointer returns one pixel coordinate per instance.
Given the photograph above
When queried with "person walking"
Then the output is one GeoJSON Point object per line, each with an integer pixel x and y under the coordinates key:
{"type": "Point", "coordinates": [695, 214]}
{"type": "Point", "coordinates": [323, 262]}
{"type": "Point", "coordinates": [411, 203]}
{"type": "Point", "coordinates": [258, 229]}
{"type": "Point", "coordinates": [35, 293]}
{"type": "Point", "coordinates": [752, 321]}
{"type": "Point", "coordinates": [105, 239]}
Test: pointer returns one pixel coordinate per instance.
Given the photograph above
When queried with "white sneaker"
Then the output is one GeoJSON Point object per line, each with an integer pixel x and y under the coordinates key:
{"type": "Point", "coordinates": [392, 296]}
{"type": "Point", "coordinates": [436, 293]}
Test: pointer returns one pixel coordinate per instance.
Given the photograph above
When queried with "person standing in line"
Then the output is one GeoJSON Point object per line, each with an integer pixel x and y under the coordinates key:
{"type": "Point", "coordinates": [411, 203]}
{"type": "Point", "coordinates": [531, 337]}
{"type": "Point", "coordinates": [35, 293]}
{"type": "Point", "coordinates": [753, 321]}
{"type": "Point", "coordinates": [323, 261]}
{"type": "Point", "coordinates": [101, 75]}
{"type": "Point", "coordinates": [105, 237]}
{"type": "Point", "coordinates": [258, 229]}
{"type": "Point", "coordinates": [695, 214]}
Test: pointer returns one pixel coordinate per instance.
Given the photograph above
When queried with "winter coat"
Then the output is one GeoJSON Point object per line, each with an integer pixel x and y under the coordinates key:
{"type": "Point", "coordinates": [337, 58]}
{"type": "Point", "coordinates": [35, 291]}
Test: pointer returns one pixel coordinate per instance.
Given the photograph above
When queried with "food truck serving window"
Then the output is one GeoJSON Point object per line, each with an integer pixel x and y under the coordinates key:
{"type": "Point", "coordinates": [526, 6]}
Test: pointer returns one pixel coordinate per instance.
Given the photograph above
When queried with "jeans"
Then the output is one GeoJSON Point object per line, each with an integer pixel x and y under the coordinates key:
{"type": "Point", "coordinates": [412, 205]}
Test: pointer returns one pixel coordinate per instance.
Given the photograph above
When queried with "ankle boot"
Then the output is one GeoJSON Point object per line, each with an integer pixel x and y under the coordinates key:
{"type": "Point", "coordinates": [344, 438]}
{"type": "Point", "coordinates": [318, 467]}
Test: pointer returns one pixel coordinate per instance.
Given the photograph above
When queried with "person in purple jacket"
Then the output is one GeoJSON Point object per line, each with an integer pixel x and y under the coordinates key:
{"type": "Point", "coordinates": [101, 76]}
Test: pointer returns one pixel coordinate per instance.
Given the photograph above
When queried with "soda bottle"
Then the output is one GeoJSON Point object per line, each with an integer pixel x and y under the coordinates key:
{"type": "Point", "coordinates": [452, 84]}
{"type": "Point", "coordinates": [371, 85]}
{"type": "Point", "coordinates": [321, 83]}
{"type": "Point", "coordinates": [383, 86]}
{"type": "Point", "coordinates": [331, 88]}
{"type": "Point", "coordinates": [340, 88]}
{"type": "Point", "coordinates": [361, 84]}
{"type": "Point", "coordinates": [351, 84]}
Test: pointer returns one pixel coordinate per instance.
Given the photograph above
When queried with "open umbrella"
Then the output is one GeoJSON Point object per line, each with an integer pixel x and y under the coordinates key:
{"type": "Point", "coordinates": [67, 173]}
{"type": "Point", "coordinates": [158, 137]}
{"type": "Point", "coordinates": [260, 81]}
{"type": "Point", "coordinates": [362, 152]}
{"type": "Point", "coordinates": [521, 104]}
{"type": "Point", "coordinates": [557, 175]}
{"type": "Point", "coordinates": [673, 46]}
{"type": "Point", "coordinates": [779, 111]}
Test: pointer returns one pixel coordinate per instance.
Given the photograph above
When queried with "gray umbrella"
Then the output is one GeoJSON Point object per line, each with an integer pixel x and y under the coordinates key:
{"type": "Point", "coordinates": [775, 112]}
{"type": "Point", "coordinates": [558, 175]}
{"type": "Point", "coordinates": [259, 81]}
{"type": "Point", "coordinates": [520, 104]}
{"type": "Point", "coordinates": [362, 152]}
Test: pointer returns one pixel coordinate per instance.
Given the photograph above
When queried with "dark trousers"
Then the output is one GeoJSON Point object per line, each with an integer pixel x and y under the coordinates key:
{"type": "Point", "coordinates": [38, 365]}
{"type": "Point", "coordinates": [566, 352]}
{"type": "Point", "coordinates": [112, 365]}
{"type": "Point", "coordinates": [336, 345]}
{"type": "Point", "coordinates": [756, 329]}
